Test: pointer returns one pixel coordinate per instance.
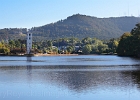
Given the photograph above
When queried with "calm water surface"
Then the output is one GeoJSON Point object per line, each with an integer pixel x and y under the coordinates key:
{"type": "Point", "coordinates": [69, 78]}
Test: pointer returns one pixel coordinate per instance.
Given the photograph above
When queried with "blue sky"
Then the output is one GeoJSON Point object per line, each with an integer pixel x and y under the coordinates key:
{"type": "Point", "coordinates": [33, 13]}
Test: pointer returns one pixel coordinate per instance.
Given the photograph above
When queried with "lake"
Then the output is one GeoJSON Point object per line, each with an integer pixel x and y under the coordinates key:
{"type": "Point", "coordinates": [84, 77]}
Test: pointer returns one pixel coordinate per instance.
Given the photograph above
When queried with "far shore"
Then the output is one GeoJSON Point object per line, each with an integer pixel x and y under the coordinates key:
{"type": "Point", "coordinates": [40, 54]}
{"type": "Point", "coordinates": [56, 54]}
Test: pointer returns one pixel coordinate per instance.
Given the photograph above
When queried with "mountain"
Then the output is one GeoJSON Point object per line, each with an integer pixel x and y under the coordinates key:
{"type": "Point", "coordinates": [82, 26]}
{"type": "Point", "coordinates": [13, 33]}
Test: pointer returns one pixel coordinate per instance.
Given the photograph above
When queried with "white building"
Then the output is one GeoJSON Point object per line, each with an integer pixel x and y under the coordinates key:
{"type": "Point", "coordinates": [29, 42]}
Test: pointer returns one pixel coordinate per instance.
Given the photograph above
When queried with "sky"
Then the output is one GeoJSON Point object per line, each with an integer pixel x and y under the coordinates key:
{"type": "Point", "coordinates": [34, 13]}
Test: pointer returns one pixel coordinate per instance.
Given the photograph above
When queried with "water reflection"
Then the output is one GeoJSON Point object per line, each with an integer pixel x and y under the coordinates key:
{"type": "Point", "coordinates": [80, 81]}
{"type": "Point", "coordinates": [90, 81]}
{"type": "Point", "coordinates": [76, 79]}
{"type": "Point", "coordinates": [29, 70]}
{"type": "Point", "coordinates": [94, 77]}
{"type": "Point", "coordinates": [29, 59]}
{"type": "Point", "coordinates": [68, 60]}
{"type": "Point", "coordinates": [136, 78]}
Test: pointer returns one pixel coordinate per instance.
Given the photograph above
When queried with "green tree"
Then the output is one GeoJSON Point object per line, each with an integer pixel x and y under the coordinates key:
{"type": "Point", "coordinates": [49, 43]}
{"type": "Point", "coordinates": [12, 44]}
{"type": "Point", "coordinates": [55, 50]}
{"type": "Point", "coordinates": [17, 44]}
{"type": "Point", "coordinates": [136, 30]}
{"type": "Point", "coordinates": [95, 49]}
{"type": "Point", "coordinates": [1, 45]}
{"type": "Point", "coordinates": [129, 44]}
{"type": "Point", "coordinates": [102, 48]}
{"type": "Point", "coordinates": [4, 49]}
{"type": "Point", "coordinates": [70, 49]}
{"type": "Point", "coordinates": [87, 40]}
{"type": "Point", "coordinates": [112, 45]}
{"type": "Point", "coordinates": [87, 49]}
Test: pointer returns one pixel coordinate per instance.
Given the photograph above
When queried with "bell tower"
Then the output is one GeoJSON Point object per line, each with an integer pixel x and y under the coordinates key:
{"type": "Point", "coordinates": [29, 42]}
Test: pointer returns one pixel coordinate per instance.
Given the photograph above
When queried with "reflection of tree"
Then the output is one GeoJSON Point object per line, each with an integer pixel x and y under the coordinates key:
{"type": "Point", "coordinates": [77, 78]}
{"type": "Point", "coordinates": [81, 80]}
{"type": "Point", "coordinates": [136, 78]}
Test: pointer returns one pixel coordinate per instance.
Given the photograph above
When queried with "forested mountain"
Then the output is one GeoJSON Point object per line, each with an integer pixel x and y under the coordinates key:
{"type": "Point", "coordinates": [86, 26]}
{"type": "Point", "coordinates": [81, 26]}
{"type": "Point", "coordinates": [13, 33]}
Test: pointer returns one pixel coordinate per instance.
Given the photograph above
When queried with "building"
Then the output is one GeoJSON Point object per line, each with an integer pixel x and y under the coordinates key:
{"type": "Point", "coordinates": [29, 42]}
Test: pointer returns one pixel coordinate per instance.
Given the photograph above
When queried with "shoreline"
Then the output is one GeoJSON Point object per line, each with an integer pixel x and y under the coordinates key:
{"type": "Point", "coordinates": [39, 54]}
{"type": "Point", "coordinates": [56, 54]}
{"type": "Point", "coordinates": [31, 55]}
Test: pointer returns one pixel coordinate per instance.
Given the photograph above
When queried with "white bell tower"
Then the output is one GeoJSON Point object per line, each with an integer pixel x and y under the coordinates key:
{"type": "Point", "coordinates": [29, 42]}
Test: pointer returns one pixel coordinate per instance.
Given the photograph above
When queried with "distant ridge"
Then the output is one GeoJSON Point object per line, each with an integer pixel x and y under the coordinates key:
{"type": "Point", "coordinates": [82, 26]}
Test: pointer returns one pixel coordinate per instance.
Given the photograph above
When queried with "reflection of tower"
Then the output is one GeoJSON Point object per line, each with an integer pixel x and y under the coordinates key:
{"type": "Point", "coordinates": [29, 59]}
{"type": "Point", "coordinates": [29, 42]}
{"type": "Point", "coordinates": [29, 73]}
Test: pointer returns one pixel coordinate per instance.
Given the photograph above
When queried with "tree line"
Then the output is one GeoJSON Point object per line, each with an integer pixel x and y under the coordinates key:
{"type": "Point", "coordinates": [127, 45]}
{"type": "Point", "coordinates": [62, 45]}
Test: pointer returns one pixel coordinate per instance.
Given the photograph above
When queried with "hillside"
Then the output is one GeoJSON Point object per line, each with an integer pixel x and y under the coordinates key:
{"type": "Point", "coordinates": [13, 33]}
{"type": "Point", "coordinates": [82, 26]}
{"type": "Point", "coordinates": [86, 26]}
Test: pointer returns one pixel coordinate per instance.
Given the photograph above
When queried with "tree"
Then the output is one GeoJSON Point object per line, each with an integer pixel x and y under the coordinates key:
{"type": "Point", "coordinates": [87, 40]}
{"type": "Point", "coordinates": [70, 49]}
{"type": "Point", "coordinates": [17, 44]}
{"type": "Point", "coordinates": [126, 46]}
{"type": "Point", "coordinates": [4, 49]}
{"type": "Point", "coordinates": [129, 44]}
{"type": "Point", "coordinates": [95, 49]}
{"type": "Point", "coordinates": [49, 44]}
{"type": "Point", "coordinates": [102, 48]}
{"type": "Point", "coordinates": [12, 44]}
{"type": "Point", "coordinates": [1, 45]}
{"type": "Point", "coordinates": [125, 35]}
{"type": "Point", "coordinates": [112, 45]}
{"type": "Point", "coordinates": [87, 49]}
{"type": "Point", "coordinates": [55, 50]}
{"type": "Point", "coordinates": [136, 30]}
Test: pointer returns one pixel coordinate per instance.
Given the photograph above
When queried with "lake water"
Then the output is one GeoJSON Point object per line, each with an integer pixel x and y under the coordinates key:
{"type": "Point", "coordinates": [86, 77]}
